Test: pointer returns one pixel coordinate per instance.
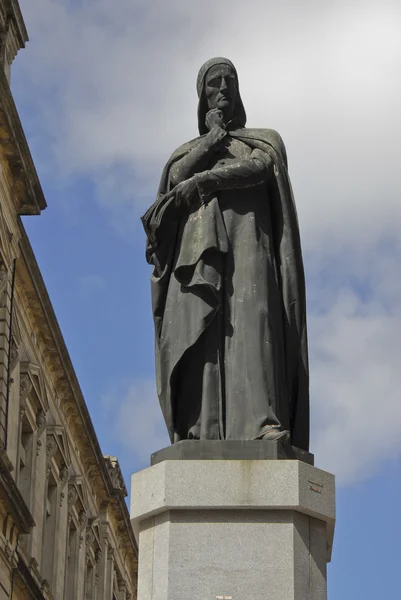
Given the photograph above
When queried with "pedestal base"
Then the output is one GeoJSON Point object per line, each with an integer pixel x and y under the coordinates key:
{"type": "Point", "coordinates": [230, 450]}
{"type": "Point", "coordinates": [243, 529]}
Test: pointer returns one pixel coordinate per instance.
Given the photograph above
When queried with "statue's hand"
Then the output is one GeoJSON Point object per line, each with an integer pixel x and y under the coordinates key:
{"type": "Point", "coordinates": [214, 117]}
{"type": "Point", "coordinates": [186, 192]}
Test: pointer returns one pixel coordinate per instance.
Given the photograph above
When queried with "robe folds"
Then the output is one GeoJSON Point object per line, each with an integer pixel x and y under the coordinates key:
{"type": "Point", "coordinates": [228, 300]}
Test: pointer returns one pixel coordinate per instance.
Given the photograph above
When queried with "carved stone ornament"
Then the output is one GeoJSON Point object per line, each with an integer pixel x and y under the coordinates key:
{"type": "Point", "coordinates": [64, 474]}
{"type": "Point", "coordinates": [8, 551]}
{"type": "Point", "coordinates": [41, 421]}
{"type": "Point", "coordinates": [116, 476]}
{"type": "Point", "coordinates": [110, 553]}
{"type": "Point", "coordinates": [89, 539]}
{"type": "Point", "coordinates": [51, 447]}
{"type": "Point", "coordinates": [72, 496]}
{"type": "Point", "coordinates": [83, 520]}
{"type": "Point", "coordinates": [14, 356]}
{"type": "Point", "coordinates": [105, 531]}
{"type": "Point", "coordinates": [25, 387]}
{"type": "Point", "coordinates": [38, 447]}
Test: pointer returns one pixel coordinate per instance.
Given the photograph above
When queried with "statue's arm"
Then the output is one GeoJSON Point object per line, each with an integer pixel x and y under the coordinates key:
{"type": "Point", "coordinates": [198, 158]}
{"type": "Point", "coordinates": [238, 175]}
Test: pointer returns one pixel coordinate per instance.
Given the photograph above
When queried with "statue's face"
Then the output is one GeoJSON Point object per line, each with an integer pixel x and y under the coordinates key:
{"type": "Point", "coordinates": [221, 88]}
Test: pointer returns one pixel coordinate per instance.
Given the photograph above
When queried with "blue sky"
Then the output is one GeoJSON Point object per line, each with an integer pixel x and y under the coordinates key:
{"type": "Point", "coordinates": [106, 93]}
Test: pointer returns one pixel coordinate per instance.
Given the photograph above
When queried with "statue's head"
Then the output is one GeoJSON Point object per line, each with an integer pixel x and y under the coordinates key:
{"type": "Point", "coordinates": [217, 87]}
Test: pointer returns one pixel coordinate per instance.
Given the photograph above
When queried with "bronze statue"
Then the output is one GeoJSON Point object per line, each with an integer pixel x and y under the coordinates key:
{"type": "Point", "coordinates": [228, 287]}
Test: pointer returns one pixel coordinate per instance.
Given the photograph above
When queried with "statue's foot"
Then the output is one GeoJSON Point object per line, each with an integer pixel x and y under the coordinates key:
{"type": "Point", "coordinates": [194, 432]}
{"type": "Point", "coordinates": [276, 435]}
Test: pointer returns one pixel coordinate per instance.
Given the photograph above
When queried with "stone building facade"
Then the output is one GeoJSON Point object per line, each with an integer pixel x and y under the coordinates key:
{"type": "Point", "coordinates": [65, 532]}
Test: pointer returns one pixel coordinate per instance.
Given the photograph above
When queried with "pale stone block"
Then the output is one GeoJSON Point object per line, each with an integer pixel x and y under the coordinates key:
{"type": "Point", "coordinates": [233, 528]}
{"type": "Point", "coordinates": [318, 569]}
{"type": "Point", "coordinates": [216, 484]}
{"type": "Point", "coordinates": [146, 565]}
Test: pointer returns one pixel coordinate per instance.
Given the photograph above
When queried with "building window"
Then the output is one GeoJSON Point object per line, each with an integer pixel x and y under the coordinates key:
{"type": "Point", "coordinates": [25, 460]}
{"type": "Point", "coordinates": [89, 582]}
{"type": "Point", "coordinates": [72, 562]}
{"type": "Point", "coordinates": [50, 529]}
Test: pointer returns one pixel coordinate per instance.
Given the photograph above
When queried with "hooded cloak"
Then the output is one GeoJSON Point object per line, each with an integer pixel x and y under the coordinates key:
{"type": "Point", "coordinates": [189, 252]}
{"type": "Point", "coordinates": [239, 111]}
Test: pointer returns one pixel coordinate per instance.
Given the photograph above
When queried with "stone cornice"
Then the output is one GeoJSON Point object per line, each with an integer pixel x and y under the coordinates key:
{"type": "Point", "coordinates": [12, 10]}
{"type": "Point", "coordinates": [115, 474]}
{"type": "Point", "coordinates": [27, 191]}
{"type": "Point", "coordinates": [16, 502]}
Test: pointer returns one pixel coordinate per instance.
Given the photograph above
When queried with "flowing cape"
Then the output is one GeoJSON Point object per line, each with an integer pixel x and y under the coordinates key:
{"type": "Point", "coordinates": [186, 288]}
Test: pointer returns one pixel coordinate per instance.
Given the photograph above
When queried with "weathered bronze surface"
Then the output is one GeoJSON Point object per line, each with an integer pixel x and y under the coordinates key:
{"type": "Point", "coordinates": [228, 286]}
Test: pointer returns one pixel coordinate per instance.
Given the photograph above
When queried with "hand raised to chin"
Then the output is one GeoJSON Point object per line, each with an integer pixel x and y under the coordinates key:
{"type": "Point", "coordinates": [214, 117]}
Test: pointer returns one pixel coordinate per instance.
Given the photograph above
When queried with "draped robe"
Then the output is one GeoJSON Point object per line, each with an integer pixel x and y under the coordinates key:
{"type": "Point", "coordinates": [228, 297]}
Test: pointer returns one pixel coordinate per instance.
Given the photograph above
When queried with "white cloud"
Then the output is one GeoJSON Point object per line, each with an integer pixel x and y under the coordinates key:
{"type": "Point", "coordinates": [355, 359]}
{"type": "Point", "coordinates": [116, 88]}
{"type": "Point", "coordinates": [357, 413]}
{"type": "Point", "coordinates": [137, 422]}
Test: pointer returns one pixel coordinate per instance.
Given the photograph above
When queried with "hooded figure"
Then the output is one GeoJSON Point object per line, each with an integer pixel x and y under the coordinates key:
{"type": "Point", "coordinates": [228, 288]}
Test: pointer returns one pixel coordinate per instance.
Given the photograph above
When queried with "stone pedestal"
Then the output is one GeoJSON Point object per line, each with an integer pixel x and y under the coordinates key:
{"type": "Point", "coordinates": [230, 450]}
{"type": "Point", "coordinates": [240, 529]}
